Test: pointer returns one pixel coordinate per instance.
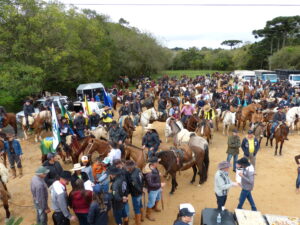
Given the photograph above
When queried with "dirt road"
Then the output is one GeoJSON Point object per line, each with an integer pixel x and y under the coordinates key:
{"type": "Point", "coordinates": [274, 190]}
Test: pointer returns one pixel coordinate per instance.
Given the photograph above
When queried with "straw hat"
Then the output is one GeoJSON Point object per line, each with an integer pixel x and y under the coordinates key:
{"type": "Point", "coordinates": [187, 103]}
{"type": "Point", "coordinates": [206, 108]}
{"type": "Point", "coordinates": [77, 166]}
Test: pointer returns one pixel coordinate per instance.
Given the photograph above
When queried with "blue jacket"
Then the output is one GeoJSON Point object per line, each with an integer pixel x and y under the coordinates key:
{"type": "Point", "coordinates": [245, 147]}
{"type": "Point", "coordinates": [16, 145]}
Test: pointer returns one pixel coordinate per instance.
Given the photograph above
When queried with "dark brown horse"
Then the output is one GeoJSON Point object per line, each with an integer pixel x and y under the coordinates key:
{"type": "Point", "coordinates": [115, 102]}
{"type": "Point", "coordinates": [129, 128]}
{"type": "Point", "coordinates": [192, 123]}
{"type": "Point", "coordinates": [280, 135]}
{"type": "Point", "coordinates": [3, 137]}
{"type": "Point", "coordinates": [4, 196]}
{"type": "Point", "coordinates": [204, 129]}
{"type": "Point", "coordinates": [191, 155]}
{"type": "Point", "coordinates": [10, 119]}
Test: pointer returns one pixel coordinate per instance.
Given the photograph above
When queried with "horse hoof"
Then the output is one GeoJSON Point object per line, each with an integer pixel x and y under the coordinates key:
{"type": "Point", "coordinates": [171, 193]}
{"type": "Point", "coordinates": [192, 182]}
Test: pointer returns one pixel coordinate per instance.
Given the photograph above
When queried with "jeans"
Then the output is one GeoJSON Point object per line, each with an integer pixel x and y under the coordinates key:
{"type": "Point", "coordinates": [185, 118]}
{"type": "Point", "coordinates": [1, 124]}
{"type": "Point", "coordinates": [82, 218]}
{"type": "Point", "coordinates": [14, 159]}
{"type": "Point", "coordinates": [60, 219]}
{"type": "Point", "coordinates": [80, 133]}
{"type": "Point", "coordinates": [246, 195]}
{"type": "Point", "coordinates": [235, 158]}
{"type": "Point", "coordinates": [136, 120]}
{"type": "Point", "coordinates": [41, 216]}
{"type": "Point", "coordinates": [137, 204]}
{"type": "Point", "coordinates": [252, 159]}
{"type": "Point", "coordinates": [151, 153]}
{"type": "Point", "coordinates": [119, 214]}
{"type": "Point", "coordinates": [298, 181]}
{"type": "Point", "coordinates": [274, 125]}
{"type": "Point", "coordinates": [153, 196]}
{"type": "Point", "coordinates": [127, 209]}
{"type": "Point", "coordinates": [221, 200]}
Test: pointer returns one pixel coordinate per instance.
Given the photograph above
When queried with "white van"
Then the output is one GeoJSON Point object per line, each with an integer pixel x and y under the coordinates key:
{"type": "Point", "coordinates": [246, 75]}
{"type": "Point", "coordinates": [294, 80]}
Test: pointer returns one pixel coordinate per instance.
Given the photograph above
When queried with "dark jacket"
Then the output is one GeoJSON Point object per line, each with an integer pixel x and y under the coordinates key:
{"type": "Point", "coordinates": [65, 129]}
{"type": "Point", "coordinates": [117, 134]}
{"type": "Point", "coordinates": [279, 117]}
{"type": "Point", "coordinates": [97, 216]}
{"type": "Point", "coordinates": [162, 105]}
{"type": "Point", "coordinates": [234, 143]}
{"type": "Point", "coordinates": [178, 222]}
{"type": "Point", "coordinates": [54, 173]}
{"type": "Point", "coordinates": [135, 182]}
{"type": "Point", "coordinates": [125, 110]}
{"type": "Point", "coordinates": [152, 177]}
{"type": "Point", "coordinates": [245, 146]}
{"type": "Point", "coordinates": [119, 190]}
{"type": "Point", "coordinates": [236, 102]}
{"type": "Point", "coordinates": [151, 139]}
{"type": "Point", "coordinates": [28, 110]}
{"type": "Point", "coordinates": [74, 177]}
{"type": "Point", "coordinates": [94, 120]}
{"type": "Point", "coordinates": [136, 108]}
{"type": "Point", "coordinates": [79, 123]}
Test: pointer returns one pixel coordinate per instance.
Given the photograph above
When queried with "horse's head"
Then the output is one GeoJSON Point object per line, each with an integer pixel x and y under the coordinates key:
{"type": "Point", "coordinates": [154, 113]}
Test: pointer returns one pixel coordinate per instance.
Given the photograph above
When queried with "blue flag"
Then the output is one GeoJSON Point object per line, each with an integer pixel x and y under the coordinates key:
{"type": "Point", "coordinates": [107, 99]}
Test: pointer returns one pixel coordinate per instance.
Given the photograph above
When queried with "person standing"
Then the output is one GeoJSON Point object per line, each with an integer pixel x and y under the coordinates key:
{"type": "Point", "coordinates": [54, 167]}
{"type": "Point", "coordinates": [87, 167]}
{"type": "Point", "coordinates": [222, 183]}
{"type": "Point", "coordinates": [151, 141]}
{"type": "Point", "coordinates": [297, 157]}
{"type": "Point", "coordinates": [250, 147]}
{"type": "Point", "coordinates": [39, 192]}
{"type": "Point", "coordinates": [247, 183]}
{"type": "Point", "coordinates": [154, 186]}
{"type": "Point", "coordinates": [2, 116]}
{"type": "Point", "coordinates": [234, 143]}
{"type": "Point", "coordinates": [14, 152]}
{"type": "Point", "coordinates": [135, 182]}
{"type": "Point", "coordinates": [78, 174]}
{"type": "Point", "coordinates": [59, 199]}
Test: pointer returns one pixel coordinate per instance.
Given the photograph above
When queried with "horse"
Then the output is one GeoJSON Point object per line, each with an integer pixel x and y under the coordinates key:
{"type": "Point", "coordinates": [229, 119]}
{"type": "Point", "coordinates": [10, 119]}
{"type": "Point", "coordinates": [180, 135]}
{"type": "Point", "coordinates": [195, 154]}
{"type": "Point", "coordinates": [4, 194]}
{"type": "Point", "coordinates": [129, 128]}
{"type": "Point", "coordinates": [95, 145]}
{"type": "Point", "coordinates": [99, 133]}
{"type": "Point", "coordinates": [280, 135]}
{"type": "Point", "coordinates": [115, 102]}
{"type": "Point", "coordinates": [135, 153]}
{"type": "Point", "coordinates": [168, 129]}
{"type": "Point", "coordinates": [291, 116]}
{"type": "Point", "coordinates": [146, 116]}
{"type": "Point", "coordinates": [3, 137]}
{"type": "Point", "coordinates": [205, 130]}
{"type": "Point", "coordinates": [37, 124]}
{"type": "Point", "coordinates": [258, 131]}
{"type": "Point", "coordinates": [192, 123]}
{"type": "Point", "coordinates": [246, 114]}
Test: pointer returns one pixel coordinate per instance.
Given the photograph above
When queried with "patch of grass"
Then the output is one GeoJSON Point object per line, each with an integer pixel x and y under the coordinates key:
{"type": "Point", "coordinates": [189, 73]}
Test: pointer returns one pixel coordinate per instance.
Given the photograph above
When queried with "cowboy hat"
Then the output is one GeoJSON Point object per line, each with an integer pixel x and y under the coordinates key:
{"type": "Point", "coordinates": [77, 166]}
{"type": "Point", "coordinates": [66, 175]}
{"type": "Point", "coordinates": [149, 127]}
{"type": "Point", "coordinates": [206, 107]}
{"type": "Point", "coordinates": [187, 103]}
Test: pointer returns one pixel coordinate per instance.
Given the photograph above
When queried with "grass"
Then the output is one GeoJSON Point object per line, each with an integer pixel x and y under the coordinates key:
{"type": "Point", "coordinates": [189, 73]}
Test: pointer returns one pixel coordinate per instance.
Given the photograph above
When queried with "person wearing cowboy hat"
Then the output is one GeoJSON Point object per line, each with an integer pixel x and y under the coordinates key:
{"type": "Point", "coordinates": [119, 191]}
{"type": "Point", "coordinates": [14, 152]}
{"type": "Point", "coordinates": [94, 120]}
{"type": "Point", "coordinates": [151, 140]}
{"type": "Point", "coordinates": [222, 183]}
{"type": "Point", "coordinates": [118, 135]}
{"type": "Point", "coordinates": [246, 183]}
{"type": "Point", "coordinates": [184, 217]}
{"type": "Point", "coordinates": [107, 115]}
{"type": "Point", "coordinates": [187, 111]}
{"type": "Point", "coordinates": [136, 110]}
{"type": "Point", "coordinates": [79, 124]}
{"type": "Point", "coordinates": [65, 130]}
{"type": "Point", "coordinates": [279, 117]}
{"type": "Point", "coordinates": [78, 174]}
{"type": "Point", "coordinates": [59, 199]}
{"type": "Point", "coordinates": [209, 114]}
{"type": "Point", "coordinates": [39, 191]}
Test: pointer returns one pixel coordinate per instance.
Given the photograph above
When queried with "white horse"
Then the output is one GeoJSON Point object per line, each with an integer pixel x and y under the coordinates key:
{"type": "Point", "coordinates": [146, 116]}
{"type": "Point", "coordinates": [99, 133]}
{"type": "Point", "coordinates": [168, 129]}
{"type": "Point", "coordinates": [229, 119]}
{"type": "Point", "coordinates": [291, 116]}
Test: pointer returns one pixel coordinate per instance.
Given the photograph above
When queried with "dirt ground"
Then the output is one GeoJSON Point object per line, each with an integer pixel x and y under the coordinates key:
{"type": "Point", "coordinates": [274, 190]}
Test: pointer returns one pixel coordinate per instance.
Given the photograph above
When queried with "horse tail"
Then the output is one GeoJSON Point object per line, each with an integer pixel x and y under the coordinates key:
{"type": "Point", "coordinates": [206, 157]}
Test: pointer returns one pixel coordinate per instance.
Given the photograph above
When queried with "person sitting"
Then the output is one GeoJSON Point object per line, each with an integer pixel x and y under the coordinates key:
{"type": "Point", "coordinates": [94, 120]}
{"type": "Point", "coordinates": [209, 114]}
{"type": "Point", "coordinates": [279, 117]}
{"type": "Point", "coordinates": [125, 110]}
{"type": "Point", "coordinates": [79, 124]}
{"type": "Point", "coordinates": [117, 135]}
{"type": "Point", "coordinates": [107, 116]}
{"type": "Point", "coordinates": [186, 112]}
{"type": "Point", "coordinates": [48, 103]}
{"type": "Point", "coordinates": [162, 107]}
{"type": "Point", "coordinates": [65, 130]}
{"type": "Point", "coordinates": [28, 110]}
{"type": "Point", "coordinates": [174, 111]}
{"type": "Point", "coordinates": [136, 110]}
{"type": "Point", "coordinates": [151, 141]}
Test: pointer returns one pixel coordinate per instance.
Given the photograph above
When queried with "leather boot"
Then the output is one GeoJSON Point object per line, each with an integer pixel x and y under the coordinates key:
{"type": "Point", "coordinates": [155, 208]}
{"type": "Point", "coordinates": [142, 214]}
{"type": "Point", "coordinates": [20, 172]}
{"type": "Point", "coordinates": [138, 219]}
{"type": "Point", "coordinates": [148, 214]}
{"type": "Point", "coordinates": [125, 221]}
{"type": "Point", "coordinates": [14, 173]}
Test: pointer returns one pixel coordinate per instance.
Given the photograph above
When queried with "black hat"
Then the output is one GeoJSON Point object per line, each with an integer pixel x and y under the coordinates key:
{"type": "Point", "coordinates": [114, 123]}
{"type": "Point", "coordinates": [114, 171]}
{"type": "Point", "coordinates": [185, 212]}
{"type": "Point", "coordinates": [280, 107]}
{"type": "Point", "coordinates": [153, 159]}
{"type": "Point", "coordinates": [234, 130]}
{"type": "Point", "coordinates": [250, 131]}
{"type": "Point", "coordinates": [243, 162]}
{"type": "Point", "coordinates": [66, 175]}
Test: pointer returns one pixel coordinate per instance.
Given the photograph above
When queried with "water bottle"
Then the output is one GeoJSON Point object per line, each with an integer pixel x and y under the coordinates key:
{"type": "Point", "coordinates": [219, 218]}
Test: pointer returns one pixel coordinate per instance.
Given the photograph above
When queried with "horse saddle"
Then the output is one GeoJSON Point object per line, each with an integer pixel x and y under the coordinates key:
{"type": "Point", "coordinates": [179, 154]}
{"type": "Point", "coordinates": [30, 120]}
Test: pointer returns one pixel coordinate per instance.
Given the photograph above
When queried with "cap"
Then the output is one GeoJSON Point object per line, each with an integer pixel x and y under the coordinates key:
{"type": "Point", "coordinates": [51, 155]}
{"type": "Point", "coordinates": [250, 131]}
{"type": "Point", "coordinates": [224, 165]}
{"type": "Point", "coordinates": [41, 170]}
{"type": "Point", "coordinates": [66, 175]}
{"type": "Point", "coordinates": [84, 158]}
{"type": "Point", "coordinates": [185, 212]}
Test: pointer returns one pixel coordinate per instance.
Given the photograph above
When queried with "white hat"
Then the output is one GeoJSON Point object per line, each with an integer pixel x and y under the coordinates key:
{"type": "Point", "coordinates": [84, 158]}
{"type": "Point", "coordinates": [77, 166]}
{"type": "Point", "coordinates": [149, 126]}
{"type": "Point", "coordinates": [187, 103]}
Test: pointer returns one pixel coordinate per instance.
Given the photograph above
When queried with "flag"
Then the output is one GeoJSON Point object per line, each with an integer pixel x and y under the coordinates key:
{"type": "Point", "coordinates": [107, 99]}
{"type": "Point", "coordinates": [65, 113]}
{"type": "Point", "coordinates": [55, 128]}
{"type": "Point", "coordinates": [46, 146]}
{"type": "Point", "coordinates": [87, 108]}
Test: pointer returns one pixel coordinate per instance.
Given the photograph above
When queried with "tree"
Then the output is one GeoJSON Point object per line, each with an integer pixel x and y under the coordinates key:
{"type": "Point", "coordinates": [287, 58]}
{"type": "Point", "coordinates": [231, 43]}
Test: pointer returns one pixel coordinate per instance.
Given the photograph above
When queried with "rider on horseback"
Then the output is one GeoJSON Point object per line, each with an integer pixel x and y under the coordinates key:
{"type": "Point", "coordinates": [28, 110]}
{"type": "Point", "coordinates": [65, 130]}
{"type": "Point", "coordinates": [118, 135]}
{"type": "Point", "coordinates": [125, 110]}
{"type": "Point", "coordinates": [279, 117]}
{"type": "Point", "coordinates": [209, 114]}
{"type": "Point", "coordinates": [2, 116]}
{"type": "Point", "coordinates": [162, 107]}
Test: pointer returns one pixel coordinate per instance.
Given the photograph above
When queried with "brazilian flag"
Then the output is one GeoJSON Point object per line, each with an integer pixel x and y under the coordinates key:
{"type": "Point", "coordinates": [47, 146]}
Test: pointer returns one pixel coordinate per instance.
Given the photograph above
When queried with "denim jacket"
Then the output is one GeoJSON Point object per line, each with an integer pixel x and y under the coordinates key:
{"type": "Point", "coordinates": [16, 145]}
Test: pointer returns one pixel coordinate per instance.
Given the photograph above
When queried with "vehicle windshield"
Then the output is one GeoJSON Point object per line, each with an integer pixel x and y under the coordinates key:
{"type": "Point", "coordinates": [296, 78]}
{"type": "Point", "coordinates": [249, 77]}
{"type": "Point", "coordinates": [271, 76]}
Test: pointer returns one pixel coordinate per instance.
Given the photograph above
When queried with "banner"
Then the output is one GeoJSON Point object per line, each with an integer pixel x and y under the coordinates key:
{"type": "Point", "coordinates": [55, 128]}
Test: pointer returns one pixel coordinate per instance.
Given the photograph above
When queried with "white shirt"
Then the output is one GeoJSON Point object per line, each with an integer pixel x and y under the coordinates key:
{"type": "Point", "coordinates": [114, 154]}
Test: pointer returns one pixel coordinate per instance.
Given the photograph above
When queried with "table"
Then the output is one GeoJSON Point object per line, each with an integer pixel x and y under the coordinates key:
{"type": "Point", "coordinates": [209, 217]}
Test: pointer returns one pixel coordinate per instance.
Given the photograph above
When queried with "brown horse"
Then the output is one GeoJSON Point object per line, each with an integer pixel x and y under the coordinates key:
{"type": "Point", "coordinates": [10, 119]}
{"type": "Point", "coordinates": [258, 131]}
{"type": "Point", "coordinates": [246, 114]}
{"type": "Point", "coordinates": [192, 123]}
{"type": "Point", "coordinates": [129, 128]}
{"type": "Point", "coordinates": [5, 196]}
{"type": "Point", "coordinates": [3, 137]}
{"type": "Point", "coordinates": [204, 129]}
{"type": "Point", "coordinates": [135, 153]}
{"type": "Point", "coordinates": [280, 135]}
{"type": "Point", "coordinates": [195, 155]}
{"type": "Point", "coordinates": [102, 147]}
{"type": "Point", "coordinates": [115, 102]}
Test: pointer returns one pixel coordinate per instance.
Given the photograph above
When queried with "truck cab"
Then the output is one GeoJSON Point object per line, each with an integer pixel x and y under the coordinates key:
{"type": "Point", "coordinates": [272, 77]}
{"type": "Point", "coordinates": [294, 80]}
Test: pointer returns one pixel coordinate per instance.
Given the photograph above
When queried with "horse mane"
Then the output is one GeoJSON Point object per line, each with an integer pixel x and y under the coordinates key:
{"type": "Point", "coordinates": [134, 146]}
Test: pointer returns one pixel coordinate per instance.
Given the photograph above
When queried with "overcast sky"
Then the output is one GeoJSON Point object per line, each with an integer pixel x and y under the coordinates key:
{"type": "Point", "coordinates": [193, 24]}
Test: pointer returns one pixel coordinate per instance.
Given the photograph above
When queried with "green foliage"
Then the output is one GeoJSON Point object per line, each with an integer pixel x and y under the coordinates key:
{"type": "Point", "coordinates": [287, 58]}
{"type": "Point", "coordinates": [231, 43]}
{"type": "Point", "coordinates": [14, 221]}
{"type": "Point", "coordinates": [189, 73]}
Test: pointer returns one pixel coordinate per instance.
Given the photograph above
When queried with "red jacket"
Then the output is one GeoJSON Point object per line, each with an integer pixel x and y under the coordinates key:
{"type": "Point", "coordinates": [79, 203]}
